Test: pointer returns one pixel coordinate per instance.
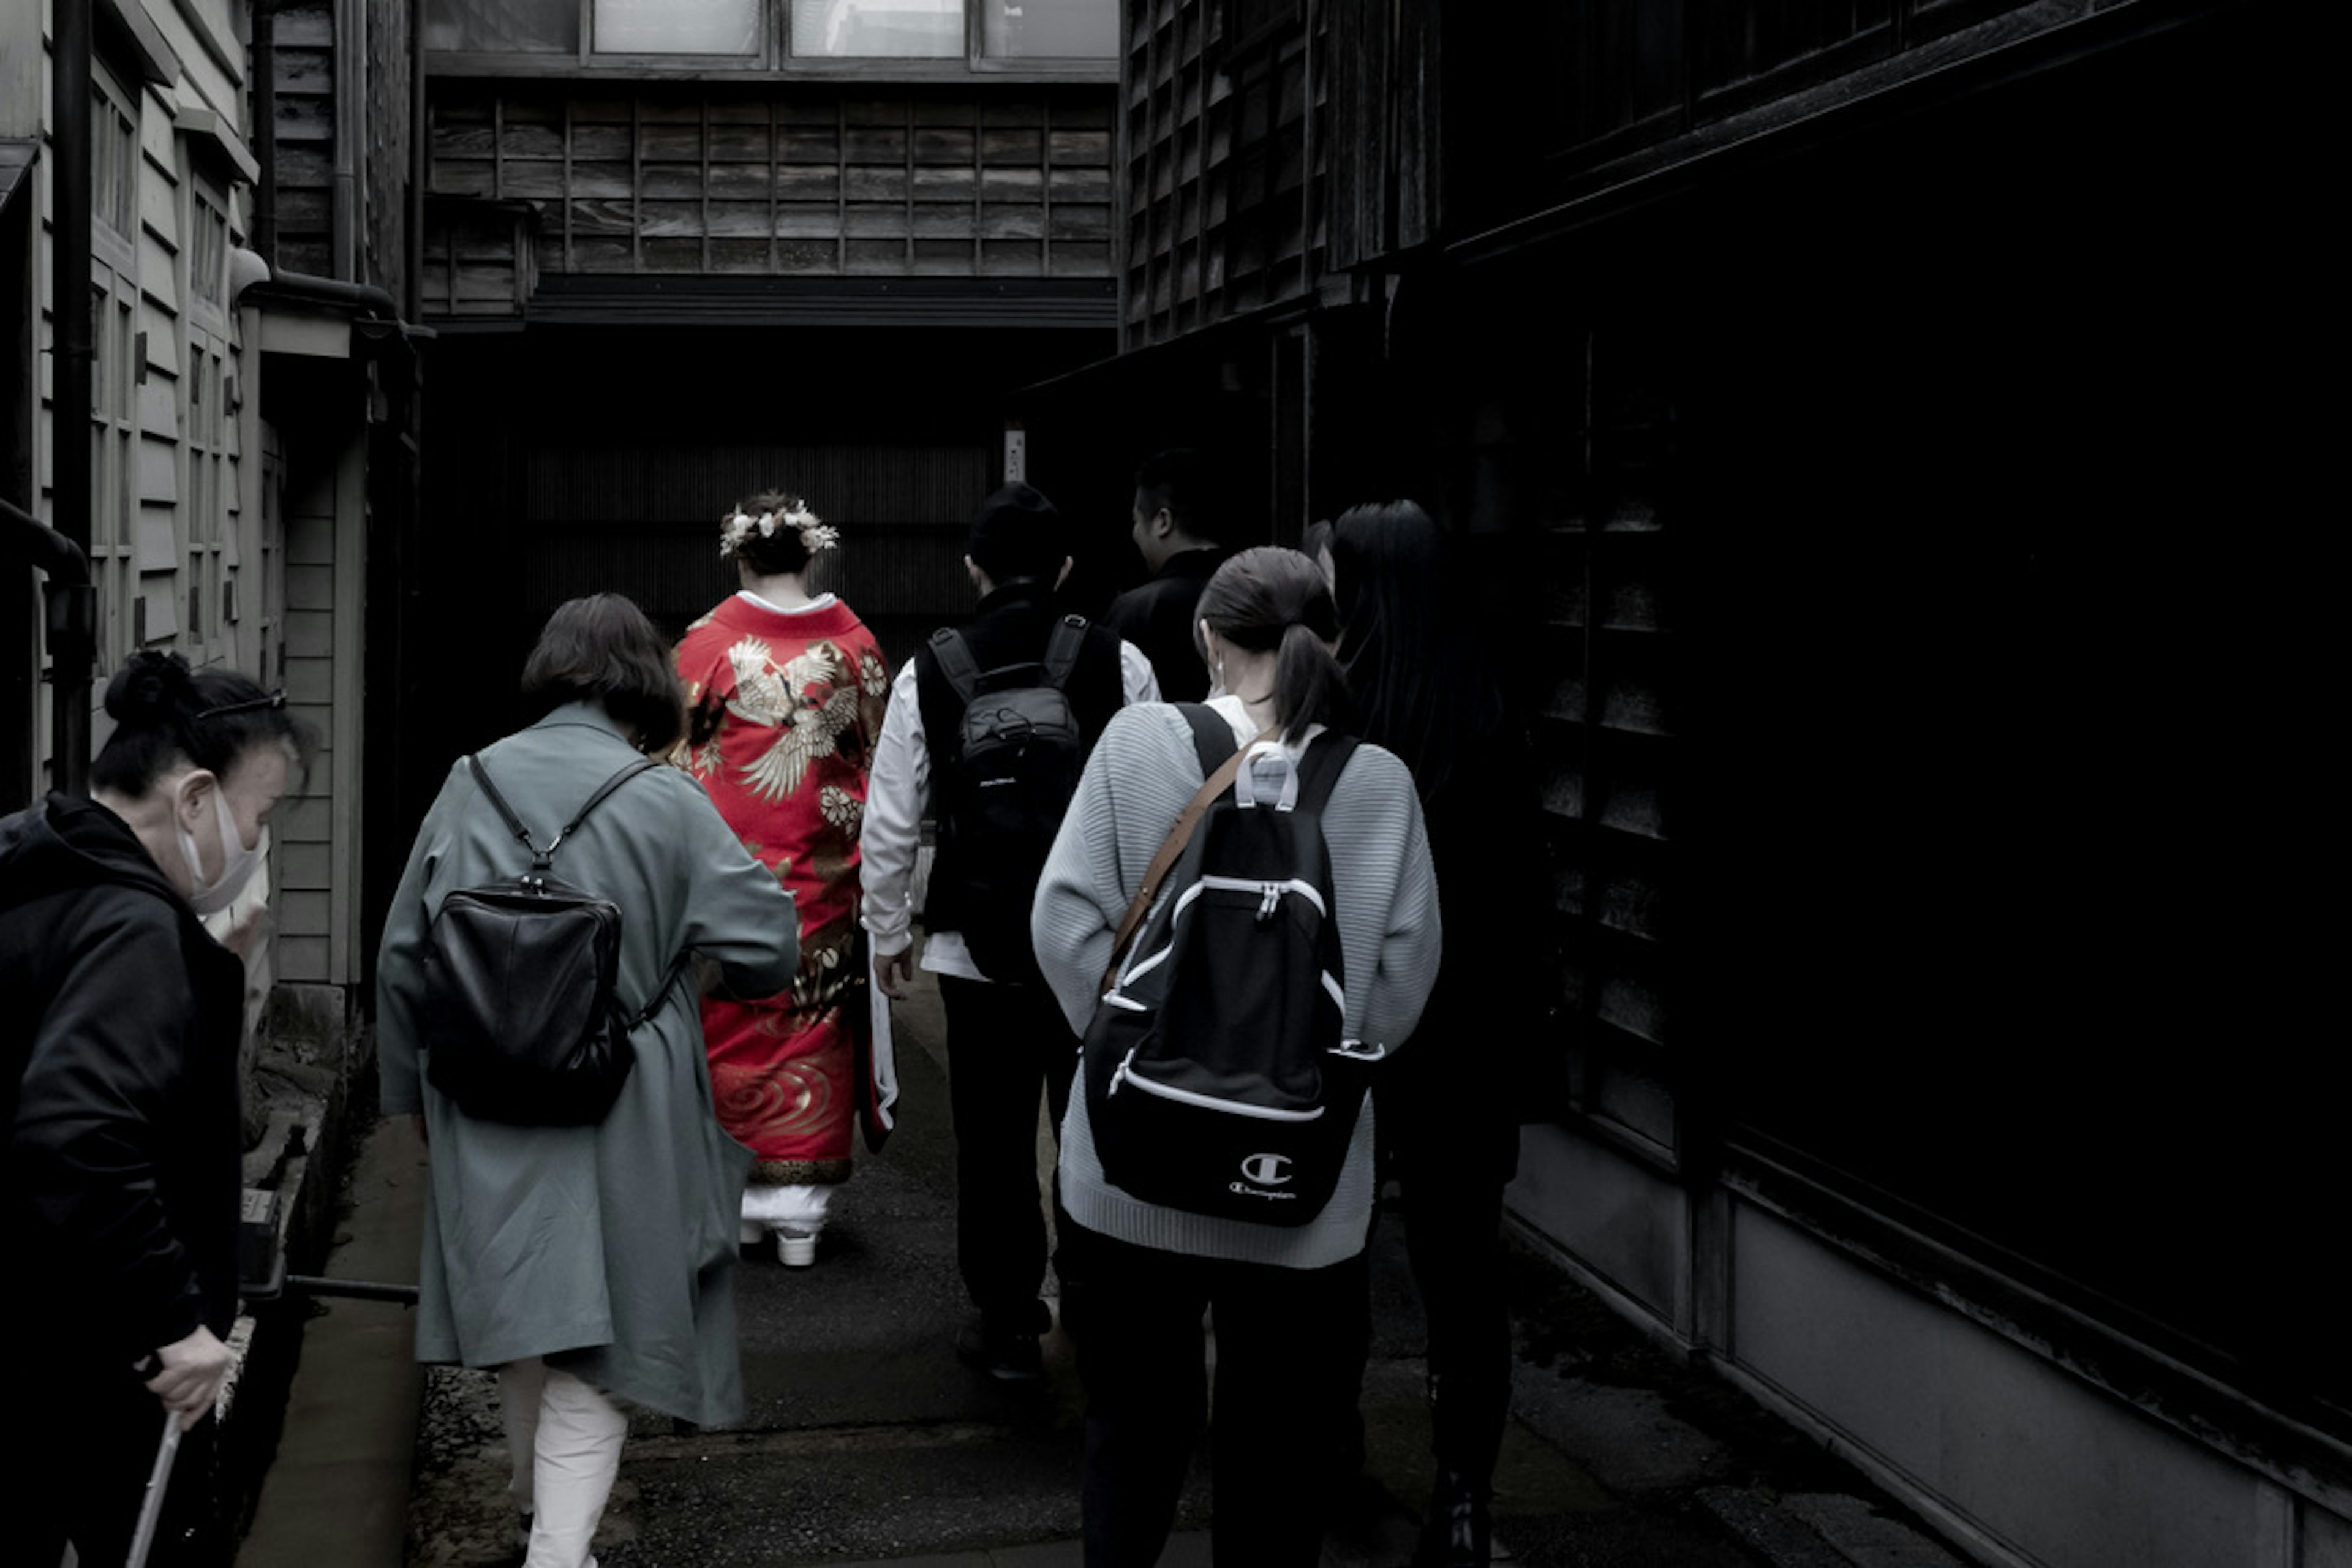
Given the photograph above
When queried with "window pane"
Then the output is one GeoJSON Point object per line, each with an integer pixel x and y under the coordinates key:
{"type": "Point", "coordinates": [1051, 29]}
{"type": "Point", "coordinates": [504, 27]}
{"type": "Point", "coordinates": [926, 29]}
{"type": "Point", "coordinates": [677, 26]}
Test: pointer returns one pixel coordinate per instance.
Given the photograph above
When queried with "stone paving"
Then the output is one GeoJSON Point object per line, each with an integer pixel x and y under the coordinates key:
{"type": "Point", "coordinates": [866, 1442]}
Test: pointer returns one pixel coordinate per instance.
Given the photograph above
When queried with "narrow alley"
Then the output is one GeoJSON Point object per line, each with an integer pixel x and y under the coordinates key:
{"type": "Point", "coordinates": [867, 1441]}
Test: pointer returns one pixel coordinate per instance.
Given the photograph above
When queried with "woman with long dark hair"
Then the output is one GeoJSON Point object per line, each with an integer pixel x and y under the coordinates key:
{"type": "Point", "coordinates": [1428, 688]}
{"type": "Point", "coordinates": [1144, 1272]}
{"type": "Point", "coordinates": [588, 1264]}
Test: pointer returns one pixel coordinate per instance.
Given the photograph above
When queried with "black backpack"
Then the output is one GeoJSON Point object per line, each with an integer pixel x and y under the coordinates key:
{"type": "Point", "coordinates": [520, 1021]}
{"type": "Point", "coordinates": [1216, 1079]}
{"type": "Point", "coordinates": [1012, 767]}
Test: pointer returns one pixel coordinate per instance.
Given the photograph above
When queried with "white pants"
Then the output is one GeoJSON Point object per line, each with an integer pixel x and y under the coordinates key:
{"type": "Point", "coordinates": [565, 1438]}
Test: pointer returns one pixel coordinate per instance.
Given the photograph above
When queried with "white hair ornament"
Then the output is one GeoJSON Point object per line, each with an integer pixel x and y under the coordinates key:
{"type": "Point", "coordinates": [814, 535]}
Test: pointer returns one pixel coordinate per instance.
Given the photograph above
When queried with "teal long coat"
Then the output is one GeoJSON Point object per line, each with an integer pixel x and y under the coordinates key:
{"type": "Point", "coordinates": [609, 1250]}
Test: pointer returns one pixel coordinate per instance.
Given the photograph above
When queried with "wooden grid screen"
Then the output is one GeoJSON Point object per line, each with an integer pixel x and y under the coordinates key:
{"type": "Point", "coordinates": [819, 181]}
{"type": "Point", "coordinates": [1587, 461]}
{"type": "Point", "coordinates": [1225, 158]}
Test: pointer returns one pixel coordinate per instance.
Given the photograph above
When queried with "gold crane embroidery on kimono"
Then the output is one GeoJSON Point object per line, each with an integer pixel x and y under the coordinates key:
{"type": "Point", "coordinates": [810, 702]}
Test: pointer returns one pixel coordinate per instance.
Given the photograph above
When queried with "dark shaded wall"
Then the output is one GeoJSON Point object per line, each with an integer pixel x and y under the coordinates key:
{"type": "Point", "coordinates": [1930, 573]}
{"type": "Point", "coordinates": [566, 460]}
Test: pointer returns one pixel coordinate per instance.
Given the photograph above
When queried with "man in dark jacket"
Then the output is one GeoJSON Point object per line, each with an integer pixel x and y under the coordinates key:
{"type": "Point", "coordinates": [1005, 1035]}
{"type": "Point", "coordinates": [121, 1039]}
{"type": "Point", "coordinates": [1177, 529]}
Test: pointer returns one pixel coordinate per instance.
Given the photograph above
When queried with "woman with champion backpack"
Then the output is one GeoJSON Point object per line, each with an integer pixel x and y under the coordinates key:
{"type": "Point", "coordinates": [1284, 1296]}
{"type": "Point", "coordinates": [588, 1263]}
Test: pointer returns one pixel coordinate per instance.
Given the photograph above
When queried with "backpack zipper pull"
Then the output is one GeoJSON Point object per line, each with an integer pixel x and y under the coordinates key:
{"type": "Point", "coordinates": [1271, 904]}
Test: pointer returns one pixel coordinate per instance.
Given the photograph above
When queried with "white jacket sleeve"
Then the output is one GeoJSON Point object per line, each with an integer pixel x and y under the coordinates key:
{"type": "Point", "coordinates": [898, 793]}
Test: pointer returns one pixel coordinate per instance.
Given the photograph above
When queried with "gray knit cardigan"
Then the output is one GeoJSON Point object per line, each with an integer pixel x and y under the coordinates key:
{"type": "Point", "coordinates": [1141, 775]}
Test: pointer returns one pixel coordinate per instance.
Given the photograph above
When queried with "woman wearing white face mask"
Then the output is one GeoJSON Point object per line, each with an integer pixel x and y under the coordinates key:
{"type": "Point", "coordinates": [120, 1037]}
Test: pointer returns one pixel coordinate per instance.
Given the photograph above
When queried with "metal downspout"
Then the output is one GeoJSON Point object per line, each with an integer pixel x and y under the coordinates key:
{"type": "Point", "coordinates": [265, 126]}
{"type": "Point", "coordinates": [72, 639]}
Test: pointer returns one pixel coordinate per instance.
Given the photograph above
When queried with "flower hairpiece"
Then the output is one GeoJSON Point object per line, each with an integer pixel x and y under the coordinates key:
{"type": "Point", "coordinates": [814, 535]}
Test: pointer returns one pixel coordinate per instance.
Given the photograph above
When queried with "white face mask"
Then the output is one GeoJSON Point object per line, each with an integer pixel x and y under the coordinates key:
{"type": "Point", "coordinates": [237, 862]}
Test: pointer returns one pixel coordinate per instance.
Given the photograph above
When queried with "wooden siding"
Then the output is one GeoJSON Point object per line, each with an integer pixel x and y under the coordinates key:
{"type": "Point", "coordinates": [305, 836]}
{"type": "Point", "coordinates": [813, 180]}
{"type": "Point", "coordinates": [304, 71]}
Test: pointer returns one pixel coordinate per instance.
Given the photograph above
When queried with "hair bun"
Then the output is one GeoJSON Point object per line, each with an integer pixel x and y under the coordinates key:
{"type": "Point", "coordinates": [150, 686]}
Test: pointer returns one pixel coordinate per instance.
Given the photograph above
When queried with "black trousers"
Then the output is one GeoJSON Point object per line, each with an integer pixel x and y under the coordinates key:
{"type": "Point", "coordinates": [82, 1473]}
{"type": "Point", "coordinates": [1285, 1396]}
{"type": "Point", "coordinates": [1004, 1044]}
{"type": "Point", "coordinates": [1452, 1153]}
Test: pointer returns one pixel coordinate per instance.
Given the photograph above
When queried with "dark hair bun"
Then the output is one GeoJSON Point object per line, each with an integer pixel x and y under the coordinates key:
{"type": "Point", "coordinates": [149, 688]}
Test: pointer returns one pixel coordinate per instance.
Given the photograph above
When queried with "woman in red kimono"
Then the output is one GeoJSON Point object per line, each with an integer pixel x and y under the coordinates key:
{"type": "Point", "coordinates": [786, 690]}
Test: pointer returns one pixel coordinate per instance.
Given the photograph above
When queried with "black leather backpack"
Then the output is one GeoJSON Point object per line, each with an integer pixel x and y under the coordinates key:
{"type": "Point", "coordinates": [522, 1022]}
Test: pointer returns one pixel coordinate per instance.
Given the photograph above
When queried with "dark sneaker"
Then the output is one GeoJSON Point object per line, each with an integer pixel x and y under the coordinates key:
{"type": "Point", "coordinates": [1011, 1358]}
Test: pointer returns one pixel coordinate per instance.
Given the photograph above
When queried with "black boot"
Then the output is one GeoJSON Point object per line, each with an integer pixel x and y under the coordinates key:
{"type": "Point", "coordinates": [1456, 1532]}
{"type": "Point", "coordinates": [1466, 1416]}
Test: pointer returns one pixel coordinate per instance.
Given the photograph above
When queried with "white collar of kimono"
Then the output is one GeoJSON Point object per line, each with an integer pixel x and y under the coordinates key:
{"type": "Point", "coordinates": [822, 602]}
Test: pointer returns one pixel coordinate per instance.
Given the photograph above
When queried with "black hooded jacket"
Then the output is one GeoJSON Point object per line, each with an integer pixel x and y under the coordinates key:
{"type": "Point", "coordinates": [119, 1030]}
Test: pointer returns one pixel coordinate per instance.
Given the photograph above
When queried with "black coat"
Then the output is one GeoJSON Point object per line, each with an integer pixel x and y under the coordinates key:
{"type": "Point", "coordinates": [1157, 618]}
{"type": "Point", "coordinates": [120, 1032]}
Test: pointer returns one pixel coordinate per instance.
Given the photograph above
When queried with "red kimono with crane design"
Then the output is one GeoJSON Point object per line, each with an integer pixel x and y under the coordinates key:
{"type": "Point", "coordinates": [785, 709]}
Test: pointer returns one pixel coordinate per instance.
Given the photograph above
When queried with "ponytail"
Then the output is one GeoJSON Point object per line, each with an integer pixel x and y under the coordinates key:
{"type": "Point", "coordinates": [1273, 600]}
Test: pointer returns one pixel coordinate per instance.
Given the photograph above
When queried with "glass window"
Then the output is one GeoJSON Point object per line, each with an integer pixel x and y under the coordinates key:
{"type": "Point", "coordinates": [1050, 30]}
{"type": "Point", "coordinates": [924, 29]}
{"type": "Point", "coordinates": [208, 257]}
{"type": "Point", "coordinates": [677, 26]}
{"type": "Point", "coordinates": [504, 27]}
{"type": "Point", "coordinates": [113, 163]}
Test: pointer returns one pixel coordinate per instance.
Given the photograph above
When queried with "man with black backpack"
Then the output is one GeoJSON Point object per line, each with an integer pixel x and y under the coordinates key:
{"type": "Point", "coordinates": [987, 732]}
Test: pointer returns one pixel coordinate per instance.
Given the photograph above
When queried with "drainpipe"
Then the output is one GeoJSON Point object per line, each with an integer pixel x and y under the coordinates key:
{"type": "Point", "coordinates": [417, 164]}
{"type": "Point", "coordinates": [350, 128]}
{"type": "Point", "coordinates": [265, 129]}
{"type": "Point", "coordinates": [72, 607]}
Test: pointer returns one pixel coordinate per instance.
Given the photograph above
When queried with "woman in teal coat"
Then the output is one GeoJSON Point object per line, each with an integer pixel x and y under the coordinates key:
{"type": "Point", "coordinates": [589, 1263]}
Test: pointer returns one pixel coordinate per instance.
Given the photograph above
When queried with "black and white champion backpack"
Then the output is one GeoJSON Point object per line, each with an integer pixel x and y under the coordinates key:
{"type": "Point", "coordinates": [1216, 1078]}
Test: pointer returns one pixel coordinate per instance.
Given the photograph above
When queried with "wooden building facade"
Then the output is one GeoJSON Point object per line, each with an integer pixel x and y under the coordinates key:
{"type": "Point", "coordinates": [253, 387]}
{"type": "Point", "coordinates": [1872, 421]}
{"type": "Point", "coordinates": [672, 263]}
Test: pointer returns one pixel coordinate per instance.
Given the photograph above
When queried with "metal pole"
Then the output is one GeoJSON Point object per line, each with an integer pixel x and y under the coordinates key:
{"type": "Point", "coordinates": [74, 357]}
{"type": "Point", "coordinates": [265, 129]}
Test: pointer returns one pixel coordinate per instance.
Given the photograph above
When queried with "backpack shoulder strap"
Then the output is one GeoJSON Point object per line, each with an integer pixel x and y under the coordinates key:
{"type": "Point", "coordinates": [1062, 650]}
{"type": "Point", "coordinates": [1213, 738]}
{"type": "Point", "coordinates": [1319, 770]}
{"type": "Point", "coordinates": [954, 653]}
{"type": "Point", "coordinates": [1218, 777]}
{"type": "Point", "coordinates": [627, 772]}
{"type": "Point", "coordinates": [514, 824]}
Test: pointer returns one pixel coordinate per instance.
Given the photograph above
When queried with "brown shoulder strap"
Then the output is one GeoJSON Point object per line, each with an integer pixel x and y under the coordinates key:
{"type": "Point", "coordinates": [1170, 849]}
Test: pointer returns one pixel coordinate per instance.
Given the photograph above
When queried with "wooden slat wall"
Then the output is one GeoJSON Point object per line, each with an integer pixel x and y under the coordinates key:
{"type": "Point", "coordinates": [1639, 71]}
{"type": "Point", "coordinates": [1225, 156]}
{"type": "Point", "coordinates": [607, 515]}
{"type": "Point", "coordinates": [305, 72]}
{"type": "Point", "coordinates": [305, 836]}
{"type": "Point", "coordinates": [819, 180]}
